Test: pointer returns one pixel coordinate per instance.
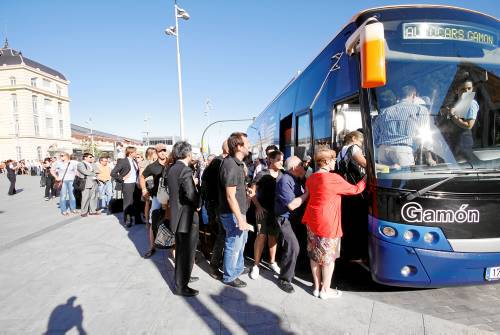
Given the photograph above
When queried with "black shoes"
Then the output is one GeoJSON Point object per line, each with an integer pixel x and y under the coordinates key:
{"type": "Point", "coordinates": [285, 286]}
{"type": "Point", "coordinates": [215, 272]}
{"type": "Point", "coordinates": [150, 253]}
{"type": "Point", "coordinates": [193, 279]}
{"type": "Point", "coordinates": [245, 271]}
{"type": "Point", "coordinates": [238, 283]}
{"type": "Point", "coordinates": [186, 292]}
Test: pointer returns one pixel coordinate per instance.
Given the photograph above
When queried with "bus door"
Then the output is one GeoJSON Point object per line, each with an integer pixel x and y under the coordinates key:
{"type": "Point", "coordinates": [346, 116]}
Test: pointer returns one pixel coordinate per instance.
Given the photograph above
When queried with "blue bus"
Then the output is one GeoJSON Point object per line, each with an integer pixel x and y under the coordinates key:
{"type": "Point", "coordinates": [431, 222]}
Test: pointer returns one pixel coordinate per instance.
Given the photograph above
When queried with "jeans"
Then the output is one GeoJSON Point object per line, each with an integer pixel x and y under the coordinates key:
{"type": "Point", "coordinates": [105, 193]}
{"type": "Point", "coordinates": [67, 193]}
{"type": "Point", "coordinates": [233, 248]}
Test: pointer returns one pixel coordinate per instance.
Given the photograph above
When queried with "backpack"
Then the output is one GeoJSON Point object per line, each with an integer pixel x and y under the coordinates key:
{"type": "Point", "coordinates": [348, 168]}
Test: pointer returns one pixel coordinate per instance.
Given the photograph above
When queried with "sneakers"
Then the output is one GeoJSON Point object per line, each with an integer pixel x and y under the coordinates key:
{"type": "Point", "coordinates": [238, 283]}
{"type": "Point", "coordinates": [274, 266]}
{"type": "Point", "coordinates": [316, 293]}
{"type": "Point", "coordinates": [285, 286]}
{"type": "Point", "coordinates": [254, 274]}
{"type": "Point", "coordinates": [330, 294]}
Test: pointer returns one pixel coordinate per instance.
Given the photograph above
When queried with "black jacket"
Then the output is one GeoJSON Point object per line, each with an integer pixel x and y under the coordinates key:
{"type": "Point", "coordinates": [184, 198]}
{"type": "Point", "coordinates": [121, 169]}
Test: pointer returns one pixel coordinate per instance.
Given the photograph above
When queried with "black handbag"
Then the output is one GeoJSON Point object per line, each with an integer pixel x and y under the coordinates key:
{"type": "Point", "coordinates": [79, 183]}
{"type": "Point", "coordinates": [165, 238]}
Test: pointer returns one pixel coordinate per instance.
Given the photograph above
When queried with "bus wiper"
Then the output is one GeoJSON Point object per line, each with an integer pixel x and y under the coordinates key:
{"type": "Point", "coordinates": [411, 196]}
{"type": "Point", "coordinates": [418, 193]}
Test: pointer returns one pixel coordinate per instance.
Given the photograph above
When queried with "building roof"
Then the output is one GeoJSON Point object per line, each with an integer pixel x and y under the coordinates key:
{"type": "Point", "coordinates": [9, 56]}
{"type": "Point", "coordinates": [79, 131]}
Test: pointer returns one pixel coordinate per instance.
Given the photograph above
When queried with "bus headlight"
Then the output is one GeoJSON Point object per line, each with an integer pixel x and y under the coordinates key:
{"type": "Point", "coordinates": [408, 236]}
{"type": "Point", "coordinates": [431, 237]}
{"type": "Point", "coordinates": [405, 271]}
{"type": "Point", "coordinates": [389, 231]}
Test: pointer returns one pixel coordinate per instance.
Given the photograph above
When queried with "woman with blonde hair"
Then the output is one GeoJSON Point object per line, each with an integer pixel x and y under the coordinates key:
{"type": "Point", "coordinates": [323, 220]}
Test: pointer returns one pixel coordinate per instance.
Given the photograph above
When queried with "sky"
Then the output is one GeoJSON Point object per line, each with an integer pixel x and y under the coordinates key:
{"type": "Point", "coordinates": [122, 68]}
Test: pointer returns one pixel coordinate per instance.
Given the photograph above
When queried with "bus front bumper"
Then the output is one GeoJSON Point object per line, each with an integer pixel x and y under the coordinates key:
{"type": "Point", "coordinates": [400, 265]}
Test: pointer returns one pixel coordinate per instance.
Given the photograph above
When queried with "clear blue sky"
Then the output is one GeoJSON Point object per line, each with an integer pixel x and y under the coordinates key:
{"type": "Point", "coordinates": [121, 65]}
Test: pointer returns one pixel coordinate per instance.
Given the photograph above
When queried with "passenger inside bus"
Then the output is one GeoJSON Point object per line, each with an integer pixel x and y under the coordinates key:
{"type": "Point", "coordinates": [402, 129]}
{"type": "Point", "coordinates": [458, 120]}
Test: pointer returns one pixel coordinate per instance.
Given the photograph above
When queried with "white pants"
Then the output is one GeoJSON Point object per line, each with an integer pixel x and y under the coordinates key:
{"type": "Point", "coordinates": [396, 154]}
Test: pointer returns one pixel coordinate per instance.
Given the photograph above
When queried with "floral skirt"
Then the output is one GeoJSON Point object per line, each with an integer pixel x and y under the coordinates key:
{"type": "Point", "coordinates": [322, 250]}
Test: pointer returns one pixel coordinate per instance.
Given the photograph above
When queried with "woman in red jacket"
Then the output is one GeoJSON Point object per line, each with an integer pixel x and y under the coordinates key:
{"type": "Point", "coordinates": [323, 220]}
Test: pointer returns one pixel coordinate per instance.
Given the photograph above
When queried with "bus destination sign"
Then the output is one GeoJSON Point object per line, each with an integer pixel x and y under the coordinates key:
{"type": "Point", "coordinates": [446, 31]}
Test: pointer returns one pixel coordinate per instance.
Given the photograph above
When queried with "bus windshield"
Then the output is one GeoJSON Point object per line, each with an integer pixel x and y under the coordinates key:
{"type": "Point", "coordinates": [440, 108]}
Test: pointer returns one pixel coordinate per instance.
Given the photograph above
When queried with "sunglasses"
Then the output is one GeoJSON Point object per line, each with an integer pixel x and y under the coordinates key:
{"type": "Point", "coordinates": [162, 150]}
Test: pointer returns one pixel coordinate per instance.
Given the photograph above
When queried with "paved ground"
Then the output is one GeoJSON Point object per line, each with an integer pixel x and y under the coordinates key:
{"type": "Point", "coordinates": [85, 275]}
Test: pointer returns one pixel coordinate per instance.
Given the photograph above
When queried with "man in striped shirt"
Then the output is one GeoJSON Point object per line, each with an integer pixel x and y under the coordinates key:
{"type": "Point", "coordinates": [398, 131]}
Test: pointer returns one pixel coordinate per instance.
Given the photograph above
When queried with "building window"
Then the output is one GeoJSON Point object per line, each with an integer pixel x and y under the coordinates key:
{"type": "Point", "coordinates": [46, 83]}
{"type": "Point", "coordinates": [37, 126]}
{"type": "Point", "coordinates": [12, 81]}
{"type": "Point", "coordinates": [61, 129]}
{"type": "Point", "coordinates": [49, 126]}
{"type": "Point", "coordinates": [47, 106]}
{"type": "Point", "coordinates": [34, 103]}
{"type": "Point", "coordinates": [33, 82]}
{"type": "Point", "coordinates": [39, 153]}
{"type": "Point", "coordinates": [16, 125]}
{"type": "Point", "coordinates": [59, 108]}
{"type": "Point", "coordinates": [14, 103]}
{"type": "Point", "coordinates": [58, 90]}
{"type": "Point", "coordinates": [19, 155]}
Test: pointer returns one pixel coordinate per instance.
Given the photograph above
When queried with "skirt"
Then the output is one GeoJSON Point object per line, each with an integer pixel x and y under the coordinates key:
{"type": "Point", "coordinates": [322, 250]}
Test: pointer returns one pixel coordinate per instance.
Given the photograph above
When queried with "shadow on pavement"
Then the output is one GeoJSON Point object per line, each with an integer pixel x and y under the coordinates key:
{"type": "Point", "coordinates": [233, 301]}
{"type": "Point", "coordinates": [252, 318]}
{"type": "Point", "coordinates": [66, 317]}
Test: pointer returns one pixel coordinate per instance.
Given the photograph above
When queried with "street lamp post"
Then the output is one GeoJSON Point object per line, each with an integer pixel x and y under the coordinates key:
{"type": "Point", "coordinates": [89, 123]}
{"type": "Point", "coordinates": [174, 31]}
{"type": "Point", "coordinates": [220, 121]}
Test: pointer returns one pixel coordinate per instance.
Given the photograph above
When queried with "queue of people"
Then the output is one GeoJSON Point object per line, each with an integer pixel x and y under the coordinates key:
{"type": "Point", "coordinates": [172, 188]}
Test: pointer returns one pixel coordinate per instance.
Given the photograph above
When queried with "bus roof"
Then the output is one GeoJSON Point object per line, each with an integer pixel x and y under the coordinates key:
{"type": "Point", "coordinates": [365, 11]}
{"type": "Point", "coordinates": [353, 20]}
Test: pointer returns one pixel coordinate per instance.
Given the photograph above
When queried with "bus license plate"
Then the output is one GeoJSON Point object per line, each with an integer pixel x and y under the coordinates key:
{"type": "Point", "coordinates": [492, 273]}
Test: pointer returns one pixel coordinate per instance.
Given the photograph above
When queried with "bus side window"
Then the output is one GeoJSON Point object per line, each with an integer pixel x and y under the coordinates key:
{"type": "Point", "coordinates": [304, 138]}
{"type": "Point", "coordinates": [347, 118]}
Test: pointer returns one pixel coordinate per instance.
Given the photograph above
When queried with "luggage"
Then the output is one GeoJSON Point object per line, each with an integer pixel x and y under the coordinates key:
{"type": "Point", "coordinates": [116, 205]}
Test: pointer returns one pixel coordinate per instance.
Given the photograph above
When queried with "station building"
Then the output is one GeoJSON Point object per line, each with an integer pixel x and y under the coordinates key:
{"type": "Point", "coordinates": [34, 108]}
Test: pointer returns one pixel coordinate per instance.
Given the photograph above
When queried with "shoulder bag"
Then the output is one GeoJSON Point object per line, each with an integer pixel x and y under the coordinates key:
{"type": "Point", "coordinates": [162, 195]}
{"type": "Point", "coordinates": [165, 238]}
{"type": "Point", "coordinates": [58, 183]}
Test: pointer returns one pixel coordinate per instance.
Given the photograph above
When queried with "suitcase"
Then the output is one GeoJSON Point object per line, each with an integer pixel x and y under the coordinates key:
{"type": "Point", "coordinates": [116, 205]}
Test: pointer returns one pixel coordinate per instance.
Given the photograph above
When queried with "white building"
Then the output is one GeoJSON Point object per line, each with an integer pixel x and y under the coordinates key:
{"type": "Point", "coordinates": [34, 108]}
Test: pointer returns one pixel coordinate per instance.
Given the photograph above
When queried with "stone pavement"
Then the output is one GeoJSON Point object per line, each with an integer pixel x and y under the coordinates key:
{"type": "Point", "coordinates": [86, 275]}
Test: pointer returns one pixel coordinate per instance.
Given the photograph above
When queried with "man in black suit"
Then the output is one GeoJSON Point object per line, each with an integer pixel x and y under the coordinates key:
{"type": "Point", "coordinates": [184, 204]}
{"type": "Point", "coordinates": [126, 173]}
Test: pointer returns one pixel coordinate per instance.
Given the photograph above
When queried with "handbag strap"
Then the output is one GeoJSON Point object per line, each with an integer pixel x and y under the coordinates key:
{"type": "Point", "coordinates": [64, 175]}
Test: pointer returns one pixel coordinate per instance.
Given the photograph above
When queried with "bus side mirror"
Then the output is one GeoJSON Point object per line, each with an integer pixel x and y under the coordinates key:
{"type": "Point", "coordinates": [372, 49]}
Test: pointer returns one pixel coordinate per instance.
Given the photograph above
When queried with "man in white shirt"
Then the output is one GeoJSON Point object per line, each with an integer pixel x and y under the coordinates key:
{"type": "Point", "coordinates": [126, 173]}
